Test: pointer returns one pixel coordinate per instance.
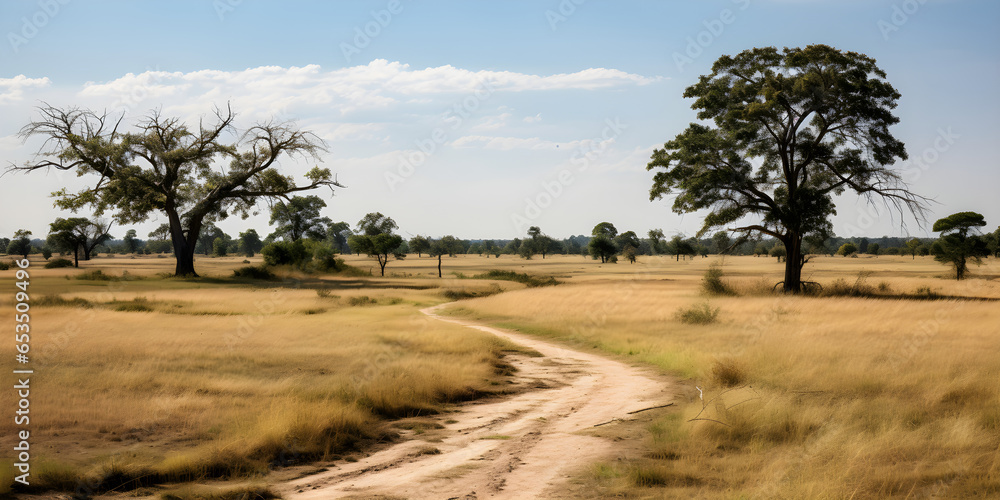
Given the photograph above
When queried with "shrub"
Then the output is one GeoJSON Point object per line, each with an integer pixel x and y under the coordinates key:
{"type": "Point", "coordinates": [462, 293]}
{"type": "Point", "coordinates": [282, 253]}
{"type": "Point", "coordinates": [527, 279]}
{"type": "Point", "coordinates": [325, 260]}
{"type": "Point", "coordinates": [220, 247]}
{"type": "Point", "coordinates": [53, 264]}
{"type": "Point", "coordinates": [712, 282]}
{"type": "Point", "coordinates": [254, 273]}
{"type": "Point", "coordinates": [95, 275]}
{"type": "Point", "coordinates": [58, 300]}
{"type": "Point", "coordinates": [701, 314]}
{"type": "Point", "coordinates": [138, 304]}
{"type": "Point", "coordinates": [46, 252]}
{"type": "Point", "coordinates": [860, 287]}
{"type": "Point", "coordinates": [361, 300]}
{"type": "Point", "coordinates": [4, 266]}
{"type": "Point", "coordinates": [847, 249]}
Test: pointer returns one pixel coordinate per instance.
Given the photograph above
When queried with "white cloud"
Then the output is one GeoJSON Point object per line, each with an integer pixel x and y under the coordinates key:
{"type": "Point", "coordinates": [269, 90]}
{"type": "Point", "coordinates": [533, 119]}
{"type": "Point", "coordinates": [12, 89]}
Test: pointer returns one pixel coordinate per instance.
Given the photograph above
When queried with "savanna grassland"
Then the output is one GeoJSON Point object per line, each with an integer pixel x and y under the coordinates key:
{"type": "Point", "coordinates": [886, 385]}
{"type": "Point", "coordinates": [891, 394]}
{"type": "Point", "coordinates": [149, 379]}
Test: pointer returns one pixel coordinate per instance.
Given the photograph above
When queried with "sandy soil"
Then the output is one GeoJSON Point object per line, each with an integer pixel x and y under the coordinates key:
{"type": "Point", "coordinates": [523, 446]}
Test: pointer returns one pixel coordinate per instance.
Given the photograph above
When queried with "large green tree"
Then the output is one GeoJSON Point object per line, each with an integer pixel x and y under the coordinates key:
{"type": "Point", "coordinates": [375, 238]}
{"type": "Point", "coordinates": [447, 245]}
{"type": "Point", "coordinates": [299, 218]}
{"type": "Point", "coordinates": [956, 245]}
{"type": "Point", "coordinates": [420, 244]}
{"type": "Point", "coordinates": [130, 241]}
{"type": "Point", "coordinates": [789, 130]}
{"type": "Point", "coordinates": [250, 243]}
{"type": "Point", "coordinates": [190, 175]}
{"type": "Point", "coordinates": [602, 242]}
{"type": "Point", "coordinates": [20, 244]}
{"type": "Point", "coordinates": [77, 234]}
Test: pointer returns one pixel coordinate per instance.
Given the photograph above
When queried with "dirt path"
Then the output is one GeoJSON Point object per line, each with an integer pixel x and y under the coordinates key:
{"type": "Point", "coordinates": [519, 447]}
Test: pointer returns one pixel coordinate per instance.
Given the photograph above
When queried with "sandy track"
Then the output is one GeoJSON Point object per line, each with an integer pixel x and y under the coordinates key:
{"type": "Point", "coordinates": [519, 447]}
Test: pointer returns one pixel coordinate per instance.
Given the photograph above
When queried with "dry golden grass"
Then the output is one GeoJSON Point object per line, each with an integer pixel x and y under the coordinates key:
{"type": "Point", "coordinates": [804, 397]}
{"type": "Point", "coordinates": [215, 377]}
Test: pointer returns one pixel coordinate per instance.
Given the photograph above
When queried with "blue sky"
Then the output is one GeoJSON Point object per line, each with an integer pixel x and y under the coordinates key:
{"type": "Point", "coordinates": [458, 117]}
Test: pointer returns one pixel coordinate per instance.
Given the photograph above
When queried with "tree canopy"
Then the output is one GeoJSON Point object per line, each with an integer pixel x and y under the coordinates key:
{"type": "Point", "coordinates": [375, 238]}
{"type": "Point", "coordinates": [78, 233]}
{"type": "Point", "coordinates": [191, 175]}
{"type": "Point", "coordinates": [299, 218]}
{"type": "Point", "coordinates": [956, 246]}
{"type": "Point", "coordinates": [790, 130]}
{"type": "Point", "coordinates": [602, 244]}
{"type": "Point", "coordinates": [20, 244]}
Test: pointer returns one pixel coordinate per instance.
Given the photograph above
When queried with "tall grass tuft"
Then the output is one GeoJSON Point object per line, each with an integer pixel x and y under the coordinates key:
{"type": "Point", "coordinates": [729, 372]}
{"type": "Point", "coordinates": [700, 314]}
{"type": "Point", "coordinates": [712, 283]}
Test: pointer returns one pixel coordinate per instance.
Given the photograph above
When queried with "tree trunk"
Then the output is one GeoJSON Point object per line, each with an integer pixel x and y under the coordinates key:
{"type": "Point", "coordinates": [183, 247]}
{"type": "Point", "coordinates": [76, 256]}
{"type": "Point", "coordinates": [439, 265]}
{"type": "Point", "coordinates": [793, 263]}
{"type": "Point", "coordinates": [382, 262]}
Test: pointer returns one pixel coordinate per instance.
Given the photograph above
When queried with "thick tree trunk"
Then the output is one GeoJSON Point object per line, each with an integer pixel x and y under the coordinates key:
{"type": "Point", "coordinates": [439, 265]}
{"type": "Point", "coordinates": [76, 256]}
{"type": "Point", "coordinates": [183, 247]}
{"type": "Point", "coordinates": [793, 263]}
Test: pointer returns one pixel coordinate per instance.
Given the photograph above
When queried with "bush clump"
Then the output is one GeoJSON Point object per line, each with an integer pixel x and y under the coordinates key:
{"type": "Point", "coordinates": [57, 263]}
{"type": "Point", "coordinates": [4, 265]}
{"type": "Point", "coordinates": [362, 300]}
{"type": "Point", "coordinates": [282, 253]}
{"type": "Point", "coordinates": [462, 293]}
{"type": "Point", "coordinates": [712, 283]}
{"type": "Point", "coordinates": [527, 279]}
{"type": "Point", "coordinates": [700, 314]}
{"type": "Point", "coordinates": [254, 273]}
